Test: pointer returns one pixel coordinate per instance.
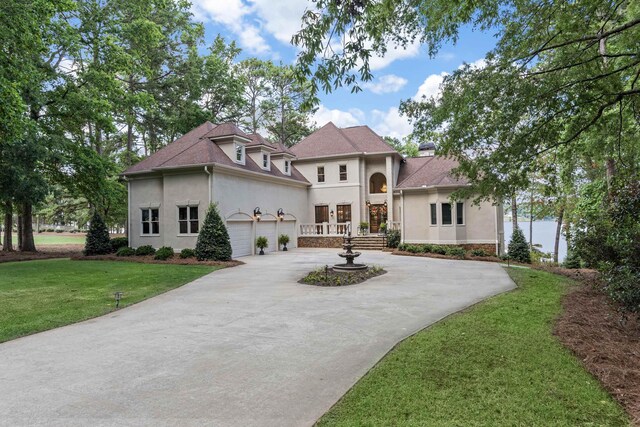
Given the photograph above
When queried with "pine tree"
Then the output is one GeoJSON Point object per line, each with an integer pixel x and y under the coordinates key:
{"type": "Point", "coordinates": [519, 248]}
{"type": "Point", "coordinates": [213, 240]}
{"type": "Point", "coordinates": [98, 242]}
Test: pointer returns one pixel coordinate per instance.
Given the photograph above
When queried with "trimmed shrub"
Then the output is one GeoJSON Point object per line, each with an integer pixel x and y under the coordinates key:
{"type": "Point", "coordinates": [519, 248]}
{"type": "Point", "coordinates": [187, 253]}
{"type": "Point", "coordinates": [393, 238]}
{"type": "Point", "coordinates": [164, 253]}
{"type": "Point", "coordinates": [145, 250]}
{"type": "Point", "coordinates": [59, 230]}
{"type": "Point", "coordinates": [437, 249]}
{"type": "Point", "coordinates": [119, 242]}
{"type": "Point", "coordinates": [479, 252]}
{"type": "Point", "coordinates": [126, 251]}
{"type": "Point", "coordinates": [261, 243]}
{"type": "Point", "coordinates": [283, 239]}
{"type": "Point", "coordinates": [97, 242]}
{"type": "Point", "coordinates": [455, 251]}
{"type": "Point", "coordinates": [213, 239]}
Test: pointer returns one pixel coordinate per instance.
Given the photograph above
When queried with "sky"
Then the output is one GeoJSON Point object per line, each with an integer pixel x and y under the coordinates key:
{"type": "Point", "coordinates": [263, 29]}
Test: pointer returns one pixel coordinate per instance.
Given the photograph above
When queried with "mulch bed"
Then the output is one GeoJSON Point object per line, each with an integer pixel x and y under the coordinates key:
{"type": "Point", "coordinates": [46, 252]}
{"type": "Point", "coordinates": [466, 257]}
{"type": "Point", "coordinates": [331, 278]}
{"type": "Point", "coordinates": [607, 344]}
{"type": "Point", "coordinates": [149, 260]}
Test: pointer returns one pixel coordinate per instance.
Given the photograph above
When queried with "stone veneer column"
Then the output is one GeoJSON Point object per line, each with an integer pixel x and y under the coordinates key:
{"type": "Point", "coordinates": [364, 212]}
{"type": "Point", "coordinates": [389, 190]}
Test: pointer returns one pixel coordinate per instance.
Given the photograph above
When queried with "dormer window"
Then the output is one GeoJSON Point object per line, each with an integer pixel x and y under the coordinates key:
{"type": "Point", "coordinates": [287, 167]}
{"type": "Point", "coordinates": [239, 149]}
{"type": "Point", "coordinates": [266, 161]}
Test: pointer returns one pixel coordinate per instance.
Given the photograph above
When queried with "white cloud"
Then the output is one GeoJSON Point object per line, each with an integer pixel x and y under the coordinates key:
{"type": "Point", "coordinates": [477, 64]}
{"type": "Point", "coordinates": [282, 18]}
{"type": "Point", "coordinates": [390, 123]}
{"type": "Point", "coordinates": [340, 118]}
{"type": "Point", "coordinates": [394, 53]}
{"type": "Point", "coordinates": [389, 83]}
{"type": "Point", "coordinates": [234, 15]}
{"type": "Point", "coordinates": [430, 88]}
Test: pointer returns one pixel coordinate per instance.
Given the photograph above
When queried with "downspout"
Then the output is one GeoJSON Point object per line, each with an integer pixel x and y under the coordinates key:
{"type": "Point", "coordinates": [402, 216]}
{"type": "Point", "coordinates": [210, 175]}
{"type": "Point", "coordinates": [128, 230]}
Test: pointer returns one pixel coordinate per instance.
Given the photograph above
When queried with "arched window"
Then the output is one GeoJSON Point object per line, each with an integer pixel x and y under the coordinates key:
{"type": "Point", "coordinates": [378, 183]}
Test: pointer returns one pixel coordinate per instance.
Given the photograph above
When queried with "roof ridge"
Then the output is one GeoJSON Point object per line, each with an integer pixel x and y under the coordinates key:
{"type": "Point", "coordinates": [419, 169]}
{"type": "Point", "coordinates": [182, 151]}
{"type": "Point", "coordinates": [347, 138]}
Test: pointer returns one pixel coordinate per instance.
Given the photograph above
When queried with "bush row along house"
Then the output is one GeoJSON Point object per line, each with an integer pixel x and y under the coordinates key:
{"type": "Point", "coordinates": [312, 192]}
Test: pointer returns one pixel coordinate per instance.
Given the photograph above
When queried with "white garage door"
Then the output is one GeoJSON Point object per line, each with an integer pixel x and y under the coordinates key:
{"type": "Point", "coordinates": [289, 228]}
{"type": "Point", "coordinates": [240, 236]}
{"type": "Point", "coordinates": [268, 230]}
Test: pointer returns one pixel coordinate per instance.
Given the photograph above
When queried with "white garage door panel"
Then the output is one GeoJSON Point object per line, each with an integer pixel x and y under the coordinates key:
{"type": "Point", "coordinates": [240, 236]}
{"type": "Point", "coordinates": [268, 230]}
{"type": "Point", "coordinates": [289, 228]}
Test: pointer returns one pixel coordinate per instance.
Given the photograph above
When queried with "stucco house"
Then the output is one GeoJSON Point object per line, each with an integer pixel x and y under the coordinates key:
{"type": "Point", "coordinates": [311, 192]}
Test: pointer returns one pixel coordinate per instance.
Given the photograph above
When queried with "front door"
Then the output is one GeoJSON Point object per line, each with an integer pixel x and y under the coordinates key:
{"type": "Point", "coordinates": [377, 215]}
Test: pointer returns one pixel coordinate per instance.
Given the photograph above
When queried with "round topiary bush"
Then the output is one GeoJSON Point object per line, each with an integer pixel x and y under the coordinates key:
{"type": "Point", "coordinates": [213, 239]}
{"type": "Point", "coordinates": [261, 243]}
{"type": "Point", "coordinates": [187, 253]}
{"type": "Point", "coordinates": [126, 251]}
{"type": "Point", "coordinates": [519, 248]}
{"type": "Point", "coordinates": [164, 253]}
{"type": "Point", "coordinates": [97, 242]}
{"type": "Point", "coordinates": [145, 250]}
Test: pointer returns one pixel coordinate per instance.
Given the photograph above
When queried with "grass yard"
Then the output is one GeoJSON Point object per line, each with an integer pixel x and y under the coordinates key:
{"type": "Point", "coordinates": [496, 364]}
{"type": "Point", "coordinates": [58, 239]}
{"type": "Point", "coordinates": [41, 295]}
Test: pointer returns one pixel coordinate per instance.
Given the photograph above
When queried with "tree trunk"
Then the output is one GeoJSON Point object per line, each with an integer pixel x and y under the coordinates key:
{"type": "Point", "coordinates": [28, 244]}
{"type": "Point", "coordinates": [611, 171]}
{"type": "Point", "coordinates": [7, 243]}
{"type": "Point", "coordinates": [19, 233]}
{"type": "Point", "coordinates": [514, 212]}
{"type": "Point", "coordinates": [556, 245]}
{"type": "Point", "coordinates": [531, 221]}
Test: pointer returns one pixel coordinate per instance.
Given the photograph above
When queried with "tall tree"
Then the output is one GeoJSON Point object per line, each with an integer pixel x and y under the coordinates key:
{"type": "Point", "coordinates": [255, 78]}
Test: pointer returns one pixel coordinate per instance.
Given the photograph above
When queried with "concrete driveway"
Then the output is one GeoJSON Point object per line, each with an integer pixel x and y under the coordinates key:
{"type": "Point", "coordinates": [242, 346]}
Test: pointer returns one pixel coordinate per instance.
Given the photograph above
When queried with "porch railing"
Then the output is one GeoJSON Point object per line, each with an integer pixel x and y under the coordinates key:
{"type": "Point", "coordinates": [324, 229]}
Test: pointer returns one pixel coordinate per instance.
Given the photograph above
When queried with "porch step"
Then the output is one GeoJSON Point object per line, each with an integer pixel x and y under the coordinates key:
{"type": "Point", "coordinates": [372, 242]}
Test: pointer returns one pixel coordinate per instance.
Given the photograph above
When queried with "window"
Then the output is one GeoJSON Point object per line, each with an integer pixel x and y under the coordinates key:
{"type": "Point", "coordinates": [266, 161]}
{"type": "Point", "coordinates": [322, 214]}
{"type": "Point", "coordinates": [446, 214]}
{"type": "Point", "coordinates": [287, 167]}
{"type": "Point", "coordinates": [343, 213]}
{"type": "Point", "coordinates": [377, 183]}
{"type": "Point", "coordinates": [434, 214]}
{"type": "Point", "coordinates": [343, 172]}
{"type": "Point", "coordinates": [460, 213]}
{"type": "Point", "coordinates": [320, 173]}
{"type": "Point", "coordinates": [239, 153]}
{"type": "Point", "coordinates": [150, 221]}
{"type": "Point", "coordinates": [188, 219]}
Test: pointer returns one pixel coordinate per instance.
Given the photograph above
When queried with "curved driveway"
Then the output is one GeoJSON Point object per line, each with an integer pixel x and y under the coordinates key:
{"type": "Point", "coordinates": [242, 346]}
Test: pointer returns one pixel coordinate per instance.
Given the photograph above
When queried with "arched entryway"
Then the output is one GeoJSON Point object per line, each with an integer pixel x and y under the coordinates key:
{"type": "Point", "coordinates": [377, 183]}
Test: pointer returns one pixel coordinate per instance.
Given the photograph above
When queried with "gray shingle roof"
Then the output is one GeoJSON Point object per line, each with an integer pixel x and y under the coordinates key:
{"type": "Point", "coordinates": [428, 171]}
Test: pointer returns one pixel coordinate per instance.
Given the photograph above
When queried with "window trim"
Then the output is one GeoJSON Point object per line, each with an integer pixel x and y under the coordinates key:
{"type": "Point", "coordinates": [243, 155]}
{"type": "Point", "coordinates": [433, 209]}
{"type": "Point", "coordinates": [346, 173]}
{"type": "Point", "coordinates": [150, 222]}
{"type": "Point", "coordinates": [266, 156]}
{"type": "Point", "coordinates": [450, 214]}
{"type": "Point", "coordinates": [463, 215]}
{"type": "Point", "coordinates": [324, 174]}
{"type": "Point", "coordinates": [188, 220]}
{"type": "Point", "coordinates": [287, 167]}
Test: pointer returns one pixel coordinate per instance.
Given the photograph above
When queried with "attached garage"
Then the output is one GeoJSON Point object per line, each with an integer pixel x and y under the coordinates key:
{"type": "Point", "coordinates": [288, 227]}
{"type": "Point", "coordinates": [268, 230]}
{"type": "Point", "coordinates": [240, 236]}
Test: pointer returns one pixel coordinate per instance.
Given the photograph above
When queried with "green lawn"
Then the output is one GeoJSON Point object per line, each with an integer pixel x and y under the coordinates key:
{"type": "Point", "coordinates": [41, 295]}
{"type": "Point", "coordinates": [58, 239]}
{"type": "Point", "coordinates": [497, 364]}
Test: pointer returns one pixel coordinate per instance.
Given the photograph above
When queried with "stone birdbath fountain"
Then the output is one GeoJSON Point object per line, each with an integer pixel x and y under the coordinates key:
{"type": "Point", "coordinates": [349, 255]}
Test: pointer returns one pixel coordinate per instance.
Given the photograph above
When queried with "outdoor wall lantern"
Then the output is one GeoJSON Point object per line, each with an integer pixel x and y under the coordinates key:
{"type": "Point", "coordinates": [281, 214]}
{"type": "Point", "coordinates": [257, 213]}
{"type": "Point", "coordinates": [331, 213]}
{"type": "Point", "coordinates": [385, 203]}
{"type": "Point", "coordinates": [368, 203]}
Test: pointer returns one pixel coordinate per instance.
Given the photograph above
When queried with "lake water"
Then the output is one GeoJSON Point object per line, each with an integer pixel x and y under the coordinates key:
{"type": "Point", "coordinates": [544, 233]}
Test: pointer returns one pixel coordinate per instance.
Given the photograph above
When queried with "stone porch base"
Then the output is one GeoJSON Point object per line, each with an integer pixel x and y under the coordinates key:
{"type": "Point", "coordinates": [320, 242]}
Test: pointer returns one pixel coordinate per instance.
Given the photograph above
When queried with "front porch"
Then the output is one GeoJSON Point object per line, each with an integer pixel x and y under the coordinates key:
{"type": "Point", "coordinates": [330, 235]}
